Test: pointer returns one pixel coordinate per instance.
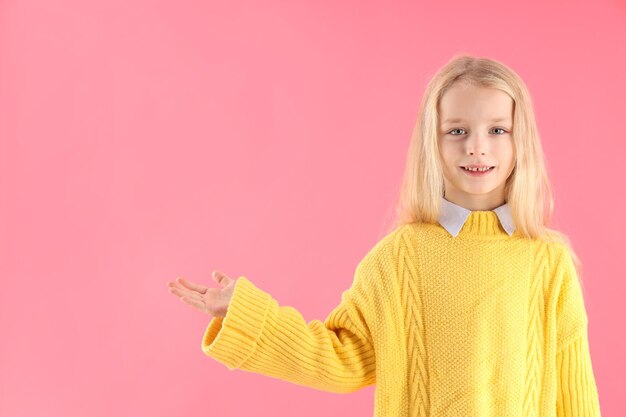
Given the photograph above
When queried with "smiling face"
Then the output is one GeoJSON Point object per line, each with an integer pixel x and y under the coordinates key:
{"type": "Point", "coordinates": [475, 128]}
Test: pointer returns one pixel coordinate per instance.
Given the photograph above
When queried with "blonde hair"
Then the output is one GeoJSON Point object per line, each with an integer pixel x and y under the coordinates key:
{"type": "Point", "coordinates": [527, 189]}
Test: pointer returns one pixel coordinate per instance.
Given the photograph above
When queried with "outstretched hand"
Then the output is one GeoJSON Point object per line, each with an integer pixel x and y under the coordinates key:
{"type": "Point", "coordinates": [213, 301]}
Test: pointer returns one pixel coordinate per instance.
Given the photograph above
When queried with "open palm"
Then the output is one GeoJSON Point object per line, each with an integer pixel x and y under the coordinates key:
{"type": "Point", "coordinates": [213, 301]}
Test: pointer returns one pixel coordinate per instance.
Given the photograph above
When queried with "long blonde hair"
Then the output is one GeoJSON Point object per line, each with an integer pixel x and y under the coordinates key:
{"type": "Point", "coordinates": [527, 190]}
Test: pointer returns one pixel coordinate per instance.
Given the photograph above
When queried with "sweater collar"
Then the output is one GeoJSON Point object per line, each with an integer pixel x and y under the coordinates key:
{"type": "Point", "coordinates": [452, 217]}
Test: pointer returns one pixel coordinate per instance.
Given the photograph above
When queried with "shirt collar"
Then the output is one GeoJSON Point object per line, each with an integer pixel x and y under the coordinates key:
{"type": "Point", "coordinates": [452, 217]}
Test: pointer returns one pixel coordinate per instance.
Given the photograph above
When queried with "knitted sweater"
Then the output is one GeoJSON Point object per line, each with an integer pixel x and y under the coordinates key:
{"type": "Point", "coordinates": [482, 324]}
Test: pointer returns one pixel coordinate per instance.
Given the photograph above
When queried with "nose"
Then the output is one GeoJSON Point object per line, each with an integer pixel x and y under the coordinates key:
{"type": "Point", "coordinates": [476, 144]}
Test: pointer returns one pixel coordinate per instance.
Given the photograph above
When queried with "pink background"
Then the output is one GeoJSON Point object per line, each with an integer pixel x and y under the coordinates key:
{"type": "Point", "coordinates": [143, 140]}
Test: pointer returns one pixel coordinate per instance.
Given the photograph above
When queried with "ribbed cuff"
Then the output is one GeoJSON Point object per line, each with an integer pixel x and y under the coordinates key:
{"type": "Point", "coordinates": [577, 393]}
{"type": "Point", "coordinates": [232, 339]}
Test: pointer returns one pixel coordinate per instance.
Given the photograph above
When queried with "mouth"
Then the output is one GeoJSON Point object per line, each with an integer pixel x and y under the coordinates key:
{"type": "Point", "coordinates": [477, 172]}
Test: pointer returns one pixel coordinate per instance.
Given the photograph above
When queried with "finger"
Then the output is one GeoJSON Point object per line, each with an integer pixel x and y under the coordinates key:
{"type": "Point", "coordinates": [195, 303]}
{"type": "Point", "coordinates": [180, 288]}
{"type": "Point", "coordinates": [221, 278]}
{"type": "Point", "coordinates": [173, 284]}
{"type": "Point", "coordinates": [176, 284]}
{"type": "Point", "coordinates": [196, 287]}
{"type": "Point", "coordinates": [185, 290]}
{"type": "Point", "coordinates": [181, 292]}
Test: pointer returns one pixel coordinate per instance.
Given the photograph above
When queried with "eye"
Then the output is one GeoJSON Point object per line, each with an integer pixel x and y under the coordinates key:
{"type": "Point", "coordinates": [450, 132]}
{"type": "Point", "coordinates": [495, 128]}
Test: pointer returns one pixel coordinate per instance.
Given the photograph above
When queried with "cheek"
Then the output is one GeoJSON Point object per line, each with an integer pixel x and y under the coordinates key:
{"type": "Point", "coordinates": [510, 148]}
{"type": "Point", "coordinates": [447, 154]}
{"type": "Point", "coordinates": [508, 163]}
{"type": "Point", "coordinates": [506, 153]}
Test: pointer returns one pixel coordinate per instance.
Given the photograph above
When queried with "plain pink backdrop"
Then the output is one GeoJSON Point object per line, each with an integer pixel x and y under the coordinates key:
{"type": "Point", "coordinates": [143, 140]}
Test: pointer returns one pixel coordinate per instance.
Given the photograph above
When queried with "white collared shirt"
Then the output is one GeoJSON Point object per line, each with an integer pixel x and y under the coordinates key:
{"type": "Point", "coordinates": [452, 217]}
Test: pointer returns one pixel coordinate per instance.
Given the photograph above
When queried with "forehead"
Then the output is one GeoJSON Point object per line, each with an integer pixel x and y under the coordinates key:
{"type": "Point", "coordinates": [466, 103]}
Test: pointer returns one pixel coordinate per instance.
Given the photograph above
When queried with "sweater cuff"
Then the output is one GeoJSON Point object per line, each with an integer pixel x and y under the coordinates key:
{"type": "Point", "coordinates": [232, 339]}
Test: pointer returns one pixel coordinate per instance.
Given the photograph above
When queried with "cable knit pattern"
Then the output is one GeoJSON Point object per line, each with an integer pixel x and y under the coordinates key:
{"type": "Point", "coordinates": [482, 324]}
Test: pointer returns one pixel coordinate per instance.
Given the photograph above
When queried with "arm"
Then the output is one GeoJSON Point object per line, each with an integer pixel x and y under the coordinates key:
{"type": "Point", "coordinates": [577, 394]}
{"type": "Point", "coordinates": [258, 335]}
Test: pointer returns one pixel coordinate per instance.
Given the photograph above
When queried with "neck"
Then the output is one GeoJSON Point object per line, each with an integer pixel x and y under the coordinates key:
{"type": "Point", "coordinates": [476, 203]}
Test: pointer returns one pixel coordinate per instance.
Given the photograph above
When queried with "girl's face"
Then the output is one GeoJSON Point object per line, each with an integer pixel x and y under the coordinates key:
{"type": "Point", "coordinates": [475, 128]}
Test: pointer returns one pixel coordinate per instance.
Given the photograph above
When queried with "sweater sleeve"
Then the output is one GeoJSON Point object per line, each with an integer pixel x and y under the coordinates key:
{"type": "Point", "coordinates": [577, 394]}
{"type": "Point", "coordinates": [258, 335]}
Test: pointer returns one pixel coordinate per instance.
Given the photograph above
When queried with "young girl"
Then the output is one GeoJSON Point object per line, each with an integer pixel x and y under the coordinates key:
{"type": "Point", "coordinates": [469, 306]}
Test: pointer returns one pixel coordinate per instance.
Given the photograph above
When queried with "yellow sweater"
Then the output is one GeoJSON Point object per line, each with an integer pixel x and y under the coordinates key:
{"type": "Point", "coordinates": [481, 325]}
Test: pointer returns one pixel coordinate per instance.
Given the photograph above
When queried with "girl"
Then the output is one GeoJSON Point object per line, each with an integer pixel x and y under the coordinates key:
{"type": "Point", "coordinates": [469, 306]}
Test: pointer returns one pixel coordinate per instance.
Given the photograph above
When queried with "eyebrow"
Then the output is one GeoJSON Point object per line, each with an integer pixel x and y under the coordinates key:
{"type": "Point", "coordinates": [497, 119]}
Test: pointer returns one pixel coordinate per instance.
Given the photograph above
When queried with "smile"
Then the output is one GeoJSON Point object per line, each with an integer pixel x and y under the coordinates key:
{"type": "Point", "coordinates": [477, 173]}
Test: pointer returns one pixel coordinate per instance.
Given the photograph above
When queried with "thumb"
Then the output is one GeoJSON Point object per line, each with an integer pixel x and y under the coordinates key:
{"type": "Point", "coordinates": [221, 278]}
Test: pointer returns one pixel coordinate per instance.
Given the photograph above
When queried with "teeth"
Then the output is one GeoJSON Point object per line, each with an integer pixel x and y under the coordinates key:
{"type": "Point", "coordinates": [477, 169]}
